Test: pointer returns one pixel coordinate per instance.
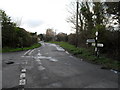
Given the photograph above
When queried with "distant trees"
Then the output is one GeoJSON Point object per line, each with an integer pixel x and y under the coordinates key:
{"type": "Point", "coordinates": [50, 35]}
{"type": "Point", "coordinates": [13, 36]}
{"type": "Point", "coordinates": [62, 37]}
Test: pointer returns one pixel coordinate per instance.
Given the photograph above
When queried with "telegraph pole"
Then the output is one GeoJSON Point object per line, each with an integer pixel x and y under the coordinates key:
{"type": "Point", "coordinates": [77, 23]}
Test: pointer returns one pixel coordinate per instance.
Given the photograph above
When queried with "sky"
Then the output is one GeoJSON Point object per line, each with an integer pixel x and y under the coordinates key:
{"type": "Point", "coordinates": [39, 15]}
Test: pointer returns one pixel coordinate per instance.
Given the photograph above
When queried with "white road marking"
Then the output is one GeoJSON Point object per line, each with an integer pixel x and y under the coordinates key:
{"type": "Point", "coordinates": [22, 82]}
{"type": "Point", "coordinates": [57, 47]}
{"type": "Point", "coordinates": [26, 52]}
{"type": "Point", "coordinates": [39, 54]}
{"type": "Point", "coordinates": [53, 60]}
{"type": "Point", "coordinates": [31, 51]}
{"type": "Point", "coordinates": [23, 70]}
{"type": "Point", "coordinates": [41, 68]}
{"type": "Point", "coordinates": [22, 75]}
{"type": "Point", "coordinates": [67, 52]}
{"type": "Point", "coordinates": [60, 48]}
{"type": "Point", "coordinates": [43, 57]}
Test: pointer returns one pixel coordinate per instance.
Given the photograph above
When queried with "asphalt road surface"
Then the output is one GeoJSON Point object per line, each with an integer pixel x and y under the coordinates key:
{"type": "Point", "coordinates": [50, 66]}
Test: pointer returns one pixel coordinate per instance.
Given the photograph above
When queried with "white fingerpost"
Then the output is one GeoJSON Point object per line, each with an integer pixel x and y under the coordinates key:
{"type": "Point", "coordinates": [96, 38]}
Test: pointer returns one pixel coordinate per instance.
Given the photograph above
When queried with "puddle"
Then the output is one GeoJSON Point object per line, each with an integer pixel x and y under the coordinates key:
{"type": "Point", "coordinates": [114, 71]}
{"type": "Point", "coordinates": [9, 62]}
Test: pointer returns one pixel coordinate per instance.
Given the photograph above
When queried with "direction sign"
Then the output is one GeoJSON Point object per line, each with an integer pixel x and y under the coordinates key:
{"type": "Point", "coordinates": [90, 40]}
{"type": "Point", "coordinates": [98, 45]}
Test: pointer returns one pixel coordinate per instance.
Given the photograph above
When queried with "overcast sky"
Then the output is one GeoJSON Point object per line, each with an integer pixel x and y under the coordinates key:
{"type": "Point", "coordinates": [38, 15]}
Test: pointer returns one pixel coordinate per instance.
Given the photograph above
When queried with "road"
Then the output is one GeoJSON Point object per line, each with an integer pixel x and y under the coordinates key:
{"type": "Point", "coordinates": [50, 66]}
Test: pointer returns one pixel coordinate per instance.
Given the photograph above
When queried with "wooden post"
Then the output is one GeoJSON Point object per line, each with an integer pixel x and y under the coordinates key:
{"type": "Point", "coordinates": [77, 24]}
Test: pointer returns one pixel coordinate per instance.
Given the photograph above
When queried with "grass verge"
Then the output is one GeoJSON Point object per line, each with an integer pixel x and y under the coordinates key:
{"type": "Point", "coordinates": [7, 49]}
{"type": "Point", "coordinates": [89, 56]}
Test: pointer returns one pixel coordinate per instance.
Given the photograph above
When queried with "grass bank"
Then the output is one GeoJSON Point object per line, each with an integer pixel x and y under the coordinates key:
{"type": "Point", "coordinates": [7, 49]}
{"type": "Point", "coordinates": [89, 56]}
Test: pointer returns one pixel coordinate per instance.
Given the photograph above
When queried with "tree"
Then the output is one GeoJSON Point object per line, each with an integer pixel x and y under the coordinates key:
{"type": "Point", "coordinates": [8, 30]}
{"type": "Point", "coordinates": [13, 36]}
{"type": "Point", "coordinates": [62, 37]}
{"type": "Point", "coordinates": [50, 35]}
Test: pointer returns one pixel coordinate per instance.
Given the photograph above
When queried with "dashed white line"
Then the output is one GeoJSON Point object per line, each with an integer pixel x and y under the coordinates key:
{"type": "Point", "coordinates": [22, 82]}
{"type": "Point", "coordinates": [22, 75]}
{"type": "Point", "coordinates": [23, 70]}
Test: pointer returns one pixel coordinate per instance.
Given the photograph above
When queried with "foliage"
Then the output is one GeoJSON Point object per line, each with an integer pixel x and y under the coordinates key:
{"type": "Point", "coordinates": [13, 36]}
{"type": "Point", "coordinates": [102, 17]}
{"type": "Point", "coordinates": [50, 35]}
{"type": "Point", "coordinates": [62, 37]}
